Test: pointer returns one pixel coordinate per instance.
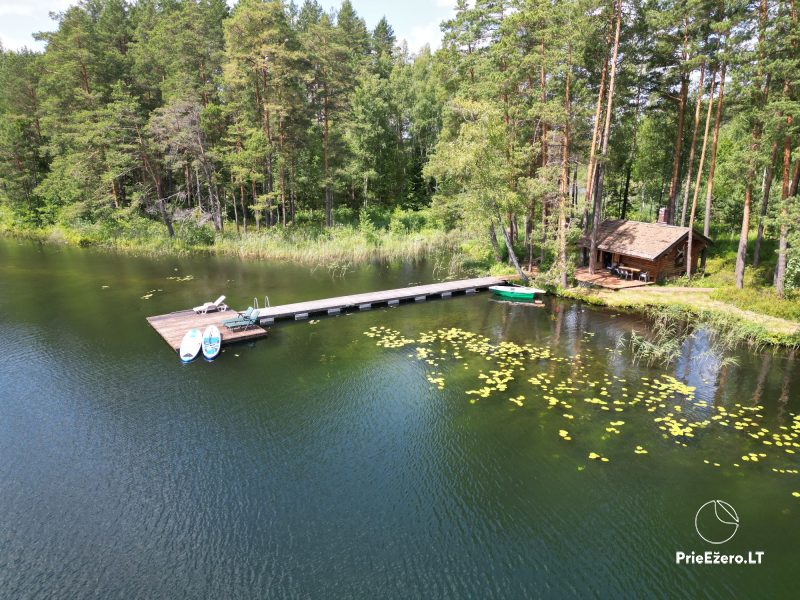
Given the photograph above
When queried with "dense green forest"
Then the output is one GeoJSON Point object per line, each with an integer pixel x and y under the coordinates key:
{"type": "Point", "coordinates": [534, 121]}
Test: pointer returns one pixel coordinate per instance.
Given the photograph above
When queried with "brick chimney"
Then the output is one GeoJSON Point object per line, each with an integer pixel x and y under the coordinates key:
{"type": "Point", "coordinates": [663, 216]}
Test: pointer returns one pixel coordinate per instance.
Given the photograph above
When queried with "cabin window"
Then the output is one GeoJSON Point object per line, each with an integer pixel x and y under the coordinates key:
{"type": "Point", "coordinates": [680, 257]}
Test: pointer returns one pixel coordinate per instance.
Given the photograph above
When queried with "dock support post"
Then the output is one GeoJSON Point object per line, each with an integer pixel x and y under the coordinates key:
{"type": "Point", "coordinates": [420, 298]}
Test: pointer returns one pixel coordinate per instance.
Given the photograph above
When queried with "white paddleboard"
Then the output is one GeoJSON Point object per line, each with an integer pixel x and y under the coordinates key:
{"type": "Point", "coordinates": [190, 346]}
{"type": "Point", "coordinates": [212, 342]}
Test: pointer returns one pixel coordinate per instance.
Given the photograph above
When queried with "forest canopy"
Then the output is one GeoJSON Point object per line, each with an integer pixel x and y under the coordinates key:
{"type": "Point", "coordinates": [533, 122]}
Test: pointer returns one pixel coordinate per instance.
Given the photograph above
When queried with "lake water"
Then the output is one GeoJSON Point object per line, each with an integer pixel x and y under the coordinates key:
{"type": "Point", "coordinates": [321, 462]}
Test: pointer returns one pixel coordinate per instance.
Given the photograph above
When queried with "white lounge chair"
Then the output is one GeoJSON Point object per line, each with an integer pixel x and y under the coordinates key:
{"type": "Point", "coordinates": [211, 306]}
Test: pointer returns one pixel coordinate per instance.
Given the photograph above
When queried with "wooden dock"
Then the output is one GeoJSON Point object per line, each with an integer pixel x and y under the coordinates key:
{"type": "Point", "coordinates": [418, 293]}
{"type": "Point", "coordinates": [173, 326]}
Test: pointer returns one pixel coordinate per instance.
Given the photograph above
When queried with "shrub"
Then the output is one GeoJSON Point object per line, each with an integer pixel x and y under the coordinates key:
{"type": "Point", "coordinates": [379, 216]}
{"type": "Point", "coordinates": [478, 250]}
{"type": "Point", "coordinates": [193, 234]}
{"type": "Point", "coordinates": [367, 228]}
{"type": "Point", "coordinates": [406, 221]}
{"type": "Point", "coordinates": [792, 281]}
{"type": "Point", "coordinates": [310, 218]}
{"type": "Point", "coordinates": [344, 215]}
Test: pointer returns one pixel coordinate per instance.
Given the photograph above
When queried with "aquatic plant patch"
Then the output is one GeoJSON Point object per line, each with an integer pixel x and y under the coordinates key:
{"type": "Point", "coordinates": [609, 416]}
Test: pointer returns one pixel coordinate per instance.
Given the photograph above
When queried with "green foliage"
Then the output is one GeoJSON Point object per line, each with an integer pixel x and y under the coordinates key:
{"type": "Point", "coordinates": [193, 234]}
{"type": "Point", "coordinates": [406, 221]}
{"type": "Point", "coordinates": [367, 227]}
{"type": "Point", "coordinates": [266, 115]}
{"type": "Point", "coordinates": [793, 272]}
{"type": "Point", "coordinates": [345, 215]}
{"type": "Point", "coordinates": [478, 251]}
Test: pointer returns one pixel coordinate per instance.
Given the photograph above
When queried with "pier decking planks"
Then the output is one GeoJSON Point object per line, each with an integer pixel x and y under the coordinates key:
{"type": "Point", "coordinates": [356, 301]}
{"type": "Point", "coordinates": [173, 326]}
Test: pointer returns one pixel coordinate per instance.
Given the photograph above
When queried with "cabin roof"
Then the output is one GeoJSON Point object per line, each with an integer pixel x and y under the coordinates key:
{"type": "Point", "coordinates": [640, 240]}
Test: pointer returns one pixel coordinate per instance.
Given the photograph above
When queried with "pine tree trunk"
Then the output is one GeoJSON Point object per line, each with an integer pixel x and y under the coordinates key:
{"type": "Point", "coordinates": [698, 106]}
{"type": "Point", "coordinates": [780, 270]}
{"type": "Point", "coordinates": [628, 172]}
{"type": "Point", "coordinates": [282, 169]}
{"type": "Point", "coordinates": [235, 211]}
{"type": "Point", "coordinates": [188, 180]}
{"type": "Point", "coordinates": [598, 191]}
{"type": "Point", "coordinates": [213, 206]}
{"type": "Point", "coordinates": [741, 254]}
{"type": "Point", "coordinates": [674, 183]}
{"type": "Point", "coordinates": [244, 207]}
{"type": "Point", "coordinates": [562, 201]}
{"type": "Point", "coordinates": [527, 243]}
{"type": "Point", "coordinates": [267, 133]}
{"type": "Point", "coordinates": [529, 233]}
{"type": "Point", "coordinates": [575, 187]}
{"type": "Point", "coordinates": [220, 208]}
{"type": "Point", "coordinates": [689, 259]}
{"type": "Point", "coordinates": [765, 191]}
{"type": "Point", "coordinates": [197, 190]}
{"type": "Point", "coordinates": [114, 192]}
{"type": "Point", "coordinates": [293, 191]}
{"type": "Point", "coordinates": [595, 131]}
{"type": "Point", "coordinates": [328, 191]}
{"type": "Point", "coordinates": [256, 212]}
{"type": "Point", "coordinates": [161, 208]}
{"type": "Point", "coordinates": [712, 163]}
{"type": "Point", "coordinates": [543, 239]}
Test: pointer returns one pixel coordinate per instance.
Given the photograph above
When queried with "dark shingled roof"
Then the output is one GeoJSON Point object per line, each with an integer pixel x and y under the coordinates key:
{"type": "Point", "coordinates": [640, 240]}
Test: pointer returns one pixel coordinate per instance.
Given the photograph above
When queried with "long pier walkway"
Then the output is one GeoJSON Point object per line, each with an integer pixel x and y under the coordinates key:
{"type": "Point", "coordinates": [417, 293]}
{"type": "Point", "coordinates": [173, 326]}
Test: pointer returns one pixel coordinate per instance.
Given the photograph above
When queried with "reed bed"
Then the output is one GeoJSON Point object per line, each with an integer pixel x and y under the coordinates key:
{"type": "Point", "coordinates": [338, 245]}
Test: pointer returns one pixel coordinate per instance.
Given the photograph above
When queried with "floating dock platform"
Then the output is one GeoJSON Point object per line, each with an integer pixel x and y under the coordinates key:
{"type": "Point", "coordinates": [173, 326]}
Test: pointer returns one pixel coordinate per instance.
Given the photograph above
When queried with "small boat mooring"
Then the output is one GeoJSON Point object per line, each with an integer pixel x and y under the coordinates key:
{"type": "Point", "coordinates": [518, 292]}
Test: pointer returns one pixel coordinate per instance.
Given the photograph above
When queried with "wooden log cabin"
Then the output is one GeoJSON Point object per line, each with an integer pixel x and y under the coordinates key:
{"type": "Point", "coordinates": [657, 249]}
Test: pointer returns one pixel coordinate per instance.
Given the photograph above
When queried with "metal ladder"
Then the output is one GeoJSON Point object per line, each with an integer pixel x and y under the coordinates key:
{"type": "Point", "coordinates": [266, 302]}
{"type": "Point", "coordinates": [266, 305]}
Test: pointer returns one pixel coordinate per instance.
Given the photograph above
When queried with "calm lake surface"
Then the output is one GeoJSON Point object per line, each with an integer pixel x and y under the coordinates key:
{"type": "Point", "coordinates": [317, 464]}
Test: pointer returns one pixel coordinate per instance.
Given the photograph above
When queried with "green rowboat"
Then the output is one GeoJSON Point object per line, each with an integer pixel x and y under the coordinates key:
{"type": "Point", "coordinates": [516, 292]}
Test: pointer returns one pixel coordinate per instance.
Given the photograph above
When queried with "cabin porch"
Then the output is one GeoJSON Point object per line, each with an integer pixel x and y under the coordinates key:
{"type": "Point", "coordinates": [603, 278]}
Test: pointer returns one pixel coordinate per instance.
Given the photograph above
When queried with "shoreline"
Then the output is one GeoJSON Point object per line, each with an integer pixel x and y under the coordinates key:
{"type": "Point", "coordinates": [696, 306]}
{"type": "Point", "coordinates": [345, 247]}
